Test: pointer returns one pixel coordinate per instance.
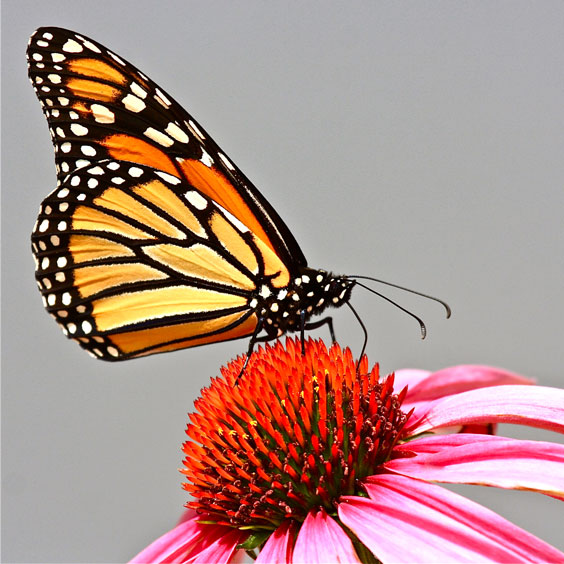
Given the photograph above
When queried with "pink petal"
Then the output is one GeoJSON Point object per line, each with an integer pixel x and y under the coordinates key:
{"type": "Point", "coordinates": [454, 380]}
{"type": "Point", "coordinates": [279, 546]}
{"type": "Point", "coordinates": [536, 406]}
{"type": "Point", "coordinates": [173, 544]}
{"type": "Point", "coordinates": [217, 546]}
{"type": "Point", "coordinates": [321, 540]}
{"type": "Point", "coordinates": [407, 520]}
{"type": "Point", "coordinates": [486, 461]}
{"type": "Point", "coordinates": [409, 377]}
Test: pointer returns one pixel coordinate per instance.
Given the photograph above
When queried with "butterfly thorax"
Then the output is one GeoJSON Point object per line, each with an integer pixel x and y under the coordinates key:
{"type": "Point", "coordinates": [311, 292]}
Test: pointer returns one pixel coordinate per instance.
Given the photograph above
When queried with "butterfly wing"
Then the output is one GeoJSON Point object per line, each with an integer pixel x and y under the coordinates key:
{"type": "Point", "coordinates": [133, 261]}
{"type": "Point", "coordinates": [101, 107]}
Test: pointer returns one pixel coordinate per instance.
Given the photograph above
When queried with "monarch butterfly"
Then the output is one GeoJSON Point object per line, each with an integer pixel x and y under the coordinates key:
{"type": "Point", "coordinates": [153, 240]}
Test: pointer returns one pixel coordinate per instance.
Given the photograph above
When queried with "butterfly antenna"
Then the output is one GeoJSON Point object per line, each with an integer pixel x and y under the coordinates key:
{"type": "Point", "coordinates": [442, 302]}
{"type": "Point", "coordinates": [420, 321]}
{"type": "Point", "coordinates": [365, 335]}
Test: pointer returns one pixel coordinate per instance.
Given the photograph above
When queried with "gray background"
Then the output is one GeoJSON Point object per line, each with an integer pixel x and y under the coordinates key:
{"type": "Point", "coordinates": [416, 142]}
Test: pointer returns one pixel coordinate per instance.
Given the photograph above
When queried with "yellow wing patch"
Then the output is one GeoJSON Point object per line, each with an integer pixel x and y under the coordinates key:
{"type": "Point", "coordinates": [90, 280]}
{"type": "Point", "coordinates": [84, 248]}
{"type": "Point", "coordinates": [118, 200]}
{"type": "Point", "coordinates": [189, 334]}
{"type": "Point", "coordinates": [201, 262]}
{"type": "Point", "coordinates": [85, 218]}
{"type": "Point", "coordinates": [165, 199]}
{"type": "Point", "coordinates": [113, 312]}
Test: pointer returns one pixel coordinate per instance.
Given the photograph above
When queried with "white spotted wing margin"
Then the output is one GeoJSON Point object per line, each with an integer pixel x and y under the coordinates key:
{"type": "Point", "coordinates": [131, 261]}
{"type": "Point", "coordinates": [99, 106]}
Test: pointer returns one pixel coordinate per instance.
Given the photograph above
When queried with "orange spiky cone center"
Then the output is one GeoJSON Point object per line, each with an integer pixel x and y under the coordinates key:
{"type": "Point", "coordinates": [295, 433]}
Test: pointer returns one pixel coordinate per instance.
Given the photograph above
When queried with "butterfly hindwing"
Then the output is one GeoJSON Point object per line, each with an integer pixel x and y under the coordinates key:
{"type": "Point", "coordinates": [100, 107]}
{"type": "Point", "coordinates": [132, 260]}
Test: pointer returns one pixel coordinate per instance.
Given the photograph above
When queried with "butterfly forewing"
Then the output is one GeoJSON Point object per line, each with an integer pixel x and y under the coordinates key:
{"type": "Point", "coordinates": [100, 107]}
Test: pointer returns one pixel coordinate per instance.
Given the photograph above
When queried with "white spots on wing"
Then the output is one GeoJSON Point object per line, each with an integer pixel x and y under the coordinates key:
{"type": "Point", "coordinates": [62, 262]}
{"type": "Point", "coordinates": [63, 101]}
{"type": "Point", "coordinates": [72, 328]}
{"type": "Point", "coordinates": [45, 263]}
{"type": "Point", "coordinates": [113, 165]}
{"type": "Point", "coordinates": [51, 299]}
{"type": "Point", "coordinates": [113, 351]}
{"type": "Point", "coordinates": [136, 172]}
{"type": "Point", "coordinates": [225, 161]}
{"type": "Point", "coordinates": [253, 303]}
{"type": "Point", "coordinates": [38, 80]}
{"type": "Point", "coordinates": [265, 291]}
{"type": "Point", "coordinates": [37, 57]}
{"type": "Point", "coordinates": [305, 279]}
{"type": "Point", "coordinates": [86, 327]}
{"type": "Point", "coordinates": [59, 131]}
{"type": "Point", "coordinates": [54, 78]}
{"type": "Point", "coordinates": [91, 46]}
{"type": "Point", "coordinates": [274, 307]}
{"type": "Point", "coordinates": [92, 183]}
{"type": "Point", "coordinates": [78, 129]}
{"type": "Point", "coordinates": [88, 150]}
{"type": "Point", "coordinates": [158, 137]}
{"type": "Point", "coordinates": [206, 159]}
{"type": "Point", "coordinates": [63, 193]}
{"type": "Point", "coordinates": [162, 99]}
{"type": "Point", "coordinates": [236, 222]}
{"type": "Point", "coordinates": [82, 162]}
{"type": "Point", "coordinates": [75, 181]}
{"type": "Point", "coordinates": [196, 199]}
{"type": "Point", "coordinates": [194, 129]}
{"type": "Point", "coordinates": [42, 43]}
{"type": "Point", "coordinates": [96, 170]}
{"type": "Point", "coordinates": [66, 298]}
{"type": "Point", "coordinates": [102, 114]}
{"type": "Point", "coordinates": [44, 225]}
{"type": "Point", "coordinates": [133, 103]}
{"type": "Point", "coordinates": [168, 177]}
{"type": "Point", "coordinates": [66, 147]}
{"type": "Point", "coordinates": [62, 225]}
{"type": "Point", "coordinates": [81, 197]}
{"type": "Point", "coordinates": [282, 294]}
{"type": "Point", "coordinates": [116, 58]}
{"type": "Point", "coordinates": [174, 131]}
{"type": "Point", "coordinates": [71, 46]}
{"type": "Point", "coordinates": [63, 207]}
{"type": "Point", "coordinates": [57, 57]}
{"type": "Point", "coordinates": [118, 180]}
{"type": "Point", "coordinates": [72, 115]}
{"type": "Point", "coordinates": [60, 277]}
{"type": "Point", "coordinates": [48, 36]}
{"type": "Point", "coordinates": [55, 240]}
{"type": "Point", "coordinates": [137, 90]}
{"type": "Point", "coordinates": [65, 167]}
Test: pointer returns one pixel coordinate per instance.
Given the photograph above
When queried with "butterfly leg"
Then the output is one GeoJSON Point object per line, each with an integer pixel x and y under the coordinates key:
{"type": "Point", "coordinates": [325, 321]}
{"type": "Point", "coordinates": [252, 342]}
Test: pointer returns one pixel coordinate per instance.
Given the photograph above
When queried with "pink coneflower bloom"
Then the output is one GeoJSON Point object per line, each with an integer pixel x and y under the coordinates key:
{"type": "Point", "coordinates": [308, 459]}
